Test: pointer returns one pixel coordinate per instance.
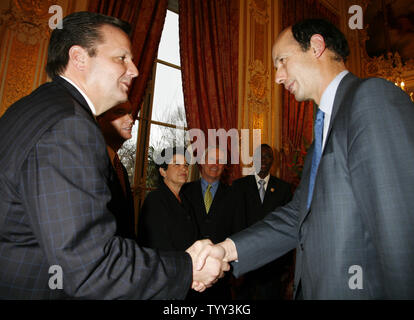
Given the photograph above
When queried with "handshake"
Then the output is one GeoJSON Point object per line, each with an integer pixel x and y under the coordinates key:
{"type": "Point", "coordinates": [210, 261]}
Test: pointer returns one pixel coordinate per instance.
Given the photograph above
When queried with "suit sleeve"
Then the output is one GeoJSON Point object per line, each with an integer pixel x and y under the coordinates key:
{"type": "Point", "coordinates": [269, 238]}
{"type": "Point", "coordinates": [65, 186]}
{"type": "Point", "coordinates": [381, 165]}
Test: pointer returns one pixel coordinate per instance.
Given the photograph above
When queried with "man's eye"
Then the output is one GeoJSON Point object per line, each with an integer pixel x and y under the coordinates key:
{"type": "Point", "coordinates": [122, 58]}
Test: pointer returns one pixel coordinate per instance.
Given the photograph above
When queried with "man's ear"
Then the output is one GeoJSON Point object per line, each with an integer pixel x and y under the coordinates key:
{"type": "Point", "coordinates": [78, 57]}
{"type": "Point", "coordinates": [317, 45]}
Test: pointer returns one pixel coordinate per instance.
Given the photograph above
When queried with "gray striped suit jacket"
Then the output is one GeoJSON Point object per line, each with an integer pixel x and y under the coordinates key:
{"type": "Point", "coordinates": [357, 239]}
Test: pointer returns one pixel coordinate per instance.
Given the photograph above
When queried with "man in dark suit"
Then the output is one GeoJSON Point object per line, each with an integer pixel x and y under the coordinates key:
{"type": "Point", "coordinates": [254, 196]}
{"type": "Point", "coordinates": [214, 219]}
{"type": "Point", "coordinates": [351, 217]}
{"type": "Point", "coordinates": [209, 198]}
{"type": "Point", "coordinates": [116, 126]}
{"type": "Point", "coordinates": [55, 182]}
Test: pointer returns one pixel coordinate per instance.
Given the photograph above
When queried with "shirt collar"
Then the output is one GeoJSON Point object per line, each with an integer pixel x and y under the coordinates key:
{"type": "Point", "coordinates": [88, 101]}
{"type": "Point", "coordinates": [266, 179]}
{"type": "Point", "coordinates": [204, 183]}
{"type": "Point", "coordinates": [328, 96]}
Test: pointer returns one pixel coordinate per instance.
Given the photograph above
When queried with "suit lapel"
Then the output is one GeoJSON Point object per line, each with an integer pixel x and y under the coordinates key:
{"type": "Point", "coordinates": [216, 199]}
{"type": "Point", "coordinates": [345, 85]}
{"type": "Point", "coordinates": [200, 196]}
{"type": "Point", "coordinates": [344, 94]}
{"type": "Point", "coordinates": [253, 190]}
{"type": "Point", "coordinates": [268, 198]}
{"type": "Point", "coordinates": [271, 185]}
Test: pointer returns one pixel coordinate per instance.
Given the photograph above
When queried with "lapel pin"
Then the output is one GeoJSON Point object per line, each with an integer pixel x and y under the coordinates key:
{"type": "Point", "coordinates": [272, 189]}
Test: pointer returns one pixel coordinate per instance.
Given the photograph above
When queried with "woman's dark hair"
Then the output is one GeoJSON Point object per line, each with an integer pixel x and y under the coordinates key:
{"type": "Point", "coordinates": [167, 155]}
{"type": "Point", "coordinates": [334, 38]}
{"type": "Point", "coordinates": [82, 29]}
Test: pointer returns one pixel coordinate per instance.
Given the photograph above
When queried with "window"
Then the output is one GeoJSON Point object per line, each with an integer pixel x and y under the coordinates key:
{"type": "Point", "coordinates": [161, 121]}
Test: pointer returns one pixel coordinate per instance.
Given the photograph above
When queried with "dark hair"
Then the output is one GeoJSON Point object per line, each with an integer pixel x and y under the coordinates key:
{"type": "Point", "coordinates": [82, 29]}
{"type": "Point", "coordinates": [263, 145]}
{"type": "Point", "coordinates": [334, 38]}
{"type": "Point", "coordinates": [167, 155]}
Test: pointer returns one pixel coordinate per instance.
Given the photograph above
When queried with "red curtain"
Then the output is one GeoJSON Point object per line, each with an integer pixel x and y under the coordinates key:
{"type": "Point", "coordinates": [209, 64]}
{"type": "Point", "coordinates": [297, 117]}
{"type": "Point", "coordinates": [147, 21]}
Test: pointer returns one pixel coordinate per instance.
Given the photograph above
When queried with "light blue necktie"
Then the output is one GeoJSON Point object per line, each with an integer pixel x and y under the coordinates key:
{"type": "Point", "coordinates": [261, 189]}
{"type": "Point", "coordinates": [317, 153]}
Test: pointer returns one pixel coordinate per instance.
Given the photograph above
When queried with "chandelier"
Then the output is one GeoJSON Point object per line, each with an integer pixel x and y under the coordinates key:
{"type": "Point", "coordinates": [390, 66]}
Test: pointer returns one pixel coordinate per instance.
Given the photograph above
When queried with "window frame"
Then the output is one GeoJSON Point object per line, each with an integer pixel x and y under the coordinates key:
{"type": "Point", "coordinates": [144, 132]}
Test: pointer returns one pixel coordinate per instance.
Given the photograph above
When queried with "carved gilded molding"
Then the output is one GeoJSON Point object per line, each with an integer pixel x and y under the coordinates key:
{"type": "Point", "coordinates": [259, 9]}
{"type": "Point", "coordinates": [389, 65]}
{"type": "Point", "coordinates": [28, 19]}
{"type": "Point", "coordinates": [258, 87]}
{"type": "Point", "coordinates": [19, 78]}
{"type": "Point", "coordinates": [259, 99]}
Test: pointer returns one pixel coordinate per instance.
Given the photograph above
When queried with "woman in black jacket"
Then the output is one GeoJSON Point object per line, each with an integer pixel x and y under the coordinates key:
{"type": "Point", "coordinates": [166, 221]}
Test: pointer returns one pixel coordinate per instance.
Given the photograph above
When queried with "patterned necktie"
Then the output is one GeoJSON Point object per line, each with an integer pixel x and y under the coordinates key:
{"type": "Point", "coordinates": [208, 198]}
{"type": "Point", "coordinates": [262, 189]}
{"type": "Point", "coordinates": [317, 153]}
{"type": "Point", "coordinates": [120, 172]}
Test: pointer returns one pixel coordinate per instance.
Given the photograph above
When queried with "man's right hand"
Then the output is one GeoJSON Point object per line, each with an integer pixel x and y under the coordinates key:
{"type": "Point", "coordinates": [208, 264]}
{"type": "Point", "coordinates": [205, 252]}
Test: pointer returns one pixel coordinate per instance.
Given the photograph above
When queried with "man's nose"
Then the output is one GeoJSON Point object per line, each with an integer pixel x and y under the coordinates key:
{"type": "Point", "coordinates": [133, 70]}
{"type": "Point", "coordinates": [280, 76]}
{"type": "Point", "coordinates": [130, 118]}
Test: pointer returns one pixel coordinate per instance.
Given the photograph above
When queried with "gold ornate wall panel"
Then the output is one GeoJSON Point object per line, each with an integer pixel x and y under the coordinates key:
{"type": "Point", "coordinates": [259, 97]}
{"type": "Point", "coordinates": [24, 35]}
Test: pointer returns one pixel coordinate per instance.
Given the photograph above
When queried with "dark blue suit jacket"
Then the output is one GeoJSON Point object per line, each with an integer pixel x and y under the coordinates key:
{"type": "Point", "coordinates": [247, 199]}
{"type": "Point", "coordinates": [55, 175]}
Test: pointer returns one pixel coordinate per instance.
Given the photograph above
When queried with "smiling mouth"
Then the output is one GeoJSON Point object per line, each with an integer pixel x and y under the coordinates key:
{"type": "Point", "coordinates": [126, 85]}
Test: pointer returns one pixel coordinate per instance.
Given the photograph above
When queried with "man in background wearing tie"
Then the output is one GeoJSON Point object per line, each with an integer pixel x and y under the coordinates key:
{"type": "Point", "coordinates": [351, 218]}
{"type": "Point", "coordinates": [254, 196]}
{"type": "Point", "coordinates": [116, 126]}
{"type": "Point", "coordinates": [209, 198]}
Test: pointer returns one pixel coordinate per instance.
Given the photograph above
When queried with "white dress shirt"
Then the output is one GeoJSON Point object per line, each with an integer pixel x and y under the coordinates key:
{"type": "Point", "coordinates": [266, 179]}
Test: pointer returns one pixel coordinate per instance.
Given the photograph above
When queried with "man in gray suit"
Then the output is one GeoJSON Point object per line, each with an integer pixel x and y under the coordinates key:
{"type": "Point", "coordinates": [354, 233]}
